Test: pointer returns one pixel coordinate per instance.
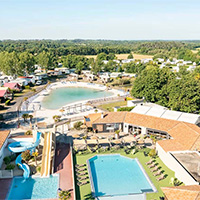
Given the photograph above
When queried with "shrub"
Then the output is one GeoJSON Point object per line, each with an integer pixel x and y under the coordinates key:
{"type": "Point", "coordinates": [38, 169]}
{"type": "Point", "coordinates": [56, 118]}
{"type": "Point", "coordinates": [29, 132]}
{"type": "Point", "coordinates": [1, 107]}
{"type": "Point", "coordinates": [25, 98]}
{"type": "Point", "coordinates": [152, 153]}
{"type": "Point", "coordinates": [10, 167]}
{"type": "Point", "coordinates": [64, 195]}
{"type": "Point", "coordinates": [27, 87]}
{"type": "Point", "coordinates": [26, 156]}
{"type": "Point", "coordinates": [13, 157]}
{"type": "Point", "coordinates": [33, 89]}
{"type": "Point", "coordinates": [125, 108]}
{"type": "Point", "coordinates": [7, 160]}
{"type": "Point", "coordinates": [1, 117]}
{"type": "Point", "coordinates": [7, 102]}
{"type": "Point", "coordinates": [77, 125]}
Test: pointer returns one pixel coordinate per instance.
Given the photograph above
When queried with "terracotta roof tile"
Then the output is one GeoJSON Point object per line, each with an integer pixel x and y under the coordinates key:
{"type": "Point", "coordinates": [111, 117]}
{"type": "Point", "coordinates": [3, 136]}
{"type": "Point", "coordinates": [150, 121]}
{"type": "Point", "coordinates": [182, 192]}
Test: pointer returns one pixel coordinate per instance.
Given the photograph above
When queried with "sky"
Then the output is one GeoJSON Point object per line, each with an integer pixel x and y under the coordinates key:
{"type": "Point", "coordinates": [100, 19]}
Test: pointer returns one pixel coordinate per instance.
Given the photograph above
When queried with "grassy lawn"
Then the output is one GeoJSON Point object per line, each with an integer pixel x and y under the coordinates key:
{"type": "Point", "coordinates": [22, 93]}
{"type": "Point", "coordinates": [110, 106]}
{"type": "Point", "coordinates": [84, 192]}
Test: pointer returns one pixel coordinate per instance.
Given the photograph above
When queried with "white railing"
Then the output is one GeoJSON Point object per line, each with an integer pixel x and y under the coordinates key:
{"type": "Point", "coordinates": [6, 173]}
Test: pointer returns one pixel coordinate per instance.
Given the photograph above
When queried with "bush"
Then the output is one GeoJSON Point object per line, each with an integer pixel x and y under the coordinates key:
{"type": "Point", "coordinates": [1, 107]}
{"type": "Point", "coordinates": [10, 166]}
{"type": "Point", "coordinates": [7, 102]}
{"type": "Point", "coordinates": [26, 156]}
{"type": "Point", "coordinates": [13, 157]}
{"type": "Point", "coordinates": [64, 195]}
{"type": "Point", "coordinates": [152, 153]}
{"type": "Point", "coordinates": [29, 132]}
{"type": "Point", "coordinates": [125, 108]}
{"type": "Point", "coordinates": [38, 169]}
{"type": "Point", "coordinates": [77, 125]}
{"type": "Point", "coordinates": [27, 87]}
{"type": "Point", "coordinates": [7, 160]}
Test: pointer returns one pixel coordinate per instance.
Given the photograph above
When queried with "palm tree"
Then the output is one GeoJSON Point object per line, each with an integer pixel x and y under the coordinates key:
{"type": "Point", "coordinates": [25, 116]}
{"type": "Point", "coordinates": [35, 154]}
{"type": "Point", "coordinates": [64, 195]}
{"type": "Point", "coordinates": [30, 117]}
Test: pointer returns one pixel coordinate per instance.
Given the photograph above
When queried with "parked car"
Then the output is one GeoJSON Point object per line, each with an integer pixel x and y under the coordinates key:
{"type": "Point", "coordinates": [38, 83]}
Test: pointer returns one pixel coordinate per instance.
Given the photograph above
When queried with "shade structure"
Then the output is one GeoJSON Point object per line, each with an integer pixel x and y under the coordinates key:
{"type": "Point", "coordinates": [94, 137]}
{"type": "Point", "coordinates": [116, 141]}
{"type": "Point", "coordinates": [83, 126]}
{"type": "Point", "coordinates": [76, 136]}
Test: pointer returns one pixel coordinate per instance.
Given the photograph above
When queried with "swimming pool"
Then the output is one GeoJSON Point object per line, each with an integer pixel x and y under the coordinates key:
{"type": "Point", "coordinates": [114, 175]}
{"type": "Point", "coordinates": [34, 188]}
{"type": "Point", "coordinates": [62, 96]}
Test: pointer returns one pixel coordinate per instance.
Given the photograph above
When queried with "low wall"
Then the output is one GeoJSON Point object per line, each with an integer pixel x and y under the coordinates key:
{"type": "Point", "coordinates": [175, 166]}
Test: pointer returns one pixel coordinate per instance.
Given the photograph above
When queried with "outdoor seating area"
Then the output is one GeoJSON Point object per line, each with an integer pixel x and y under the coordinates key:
{"type": "Point", "coordinates": [157, 169]}
{"type": "Point", "coordinates": [82, 177]}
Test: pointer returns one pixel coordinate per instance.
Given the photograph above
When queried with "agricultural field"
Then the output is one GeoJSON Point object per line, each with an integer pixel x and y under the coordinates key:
{"type": "Point", "coordinates": [124, 56]}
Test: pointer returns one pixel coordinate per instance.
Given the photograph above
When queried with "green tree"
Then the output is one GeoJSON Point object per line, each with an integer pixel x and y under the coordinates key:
{"type": "Point", "coordinates": [130, 56]}
{"type": "Point", "coordinates": [45, 59]}
{"type": "Point", "coordinates": [27, 62]}
{"type": "Point", "coordinates": [79, 67]}
{"type": "Point", "coordinates": [64, 195]}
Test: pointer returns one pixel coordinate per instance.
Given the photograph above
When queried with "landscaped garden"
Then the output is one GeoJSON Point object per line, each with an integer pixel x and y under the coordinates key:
{"type": "Point", "coordinates": [84, 191]}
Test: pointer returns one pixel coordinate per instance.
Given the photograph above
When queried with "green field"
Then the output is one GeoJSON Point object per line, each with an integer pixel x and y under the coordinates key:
{"type": "Point", "coordinates": [84, 192]}
{"type": "Point", "coordinates": [110, 106]}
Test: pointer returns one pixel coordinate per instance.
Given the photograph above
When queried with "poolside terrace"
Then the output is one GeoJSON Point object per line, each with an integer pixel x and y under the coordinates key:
{"type": "Point", "coordinates": [84, 192]}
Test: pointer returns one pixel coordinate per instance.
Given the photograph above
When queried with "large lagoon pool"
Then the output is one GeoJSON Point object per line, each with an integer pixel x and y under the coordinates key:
{"type": "Point", "coordinates": [116, 175]}
{"type": "Point", "coordinates": [62, 96]}
{"type": "Point", "coordinates": [34, 188]}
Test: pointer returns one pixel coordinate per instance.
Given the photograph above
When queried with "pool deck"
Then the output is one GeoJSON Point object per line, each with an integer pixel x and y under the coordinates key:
{"type": "Point", "coordinates": [63, 166]}
{"type": "Point", "coordinates": [4, 187]}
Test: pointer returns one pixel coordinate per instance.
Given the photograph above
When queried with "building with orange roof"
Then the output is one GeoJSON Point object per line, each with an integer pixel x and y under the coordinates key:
{"type": "Point", "coordinates": [175, 136]}
{"type": "Point", "coordinates": [190, 192]}
{"type": "Point", "coordinates": [3, 142]}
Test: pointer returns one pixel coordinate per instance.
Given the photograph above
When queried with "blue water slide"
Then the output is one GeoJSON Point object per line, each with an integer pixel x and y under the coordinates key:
{"type": "Point", "coordinates": [17, 147]}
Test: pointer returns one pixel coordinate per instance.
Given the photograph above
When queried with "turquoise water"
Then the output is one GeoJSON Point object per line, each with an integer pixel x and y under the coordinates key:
{"type": "Point", "coordinates": [34, 188]}
{"type": "Point", "coordinates": [62, 96]}
{"type": "Point", "coordinates": [117, 175]}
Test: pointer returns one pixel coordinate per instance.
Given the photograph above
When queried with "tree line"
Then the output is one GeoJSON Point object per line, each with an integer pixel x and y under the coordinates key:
{"type": "Point", "coordinates": [176, 91]}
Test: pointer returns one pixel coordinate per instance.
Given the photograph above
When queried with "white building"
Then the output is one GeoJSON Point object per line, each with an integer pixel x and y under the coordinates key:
{"type": "Point", "coordinates": [3, 143]}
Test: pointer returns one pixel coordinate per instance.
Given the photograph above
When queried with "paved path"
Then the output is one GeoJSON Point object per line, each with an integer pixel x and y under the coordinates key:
{"type": "Point", "coordinates": [63, 166]}
{"type": "Point", "coordinates": [4, 187]}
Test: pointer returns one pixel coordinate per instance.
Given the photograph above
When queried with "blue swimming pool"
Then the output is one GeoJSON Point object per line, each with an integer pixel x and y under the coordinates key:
{"type": "Point", "coordinates": [34, 188]}
{"type": "Point", "coordinates": [62, 96]}
{"type": "Point", "coordinates": [118, 175]}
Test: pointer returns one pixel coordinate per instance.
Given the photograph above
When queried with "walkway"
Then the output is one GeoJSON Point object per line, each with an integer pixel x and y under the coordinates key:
{"type": "Point", "coordinates": [5, 186]}
{"type": "Point", "coordinates": [63, 166]}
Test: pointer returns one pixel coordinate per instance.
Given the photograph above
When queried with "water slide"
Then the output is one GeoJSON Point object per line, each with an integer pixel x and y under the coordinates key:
{"type": "Point", "coordinates": [18, 147]}
{"type": "Point", "coordinates": [46, 155]}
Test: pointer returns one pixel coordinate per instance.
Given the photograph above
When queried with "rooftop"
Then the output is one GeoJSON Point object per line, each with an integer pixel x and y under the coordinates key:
{"type": "Point", "coordinates": [191, 162]}
{"type": "Point", "coordinates": [3, 136]}
{"type": "Point", "coordinates": [190, 192]}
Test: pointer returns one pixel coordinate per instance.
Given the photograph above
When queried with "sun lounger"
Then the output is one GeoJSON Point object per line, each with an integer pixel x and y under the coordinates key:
{"type": "Point", "coordinates": [80, 170]}
{"type": "Point", "coordinates": [161, 177]}
{"type": "Point", "coordinates": [155, 169]}
{"type": "Point", "coordinates": [81, 173]}
{"type": "Point", "coordinates": [149, 162]}
{"type": "Point", "coordinates": [152, 165]}
{"type": "Point", "coordinates": [82, 178]}
{"type": "Point", "coordinates": [82, 183]}
{"type": "Point", "coordinates": [159, 172]}
{"type": "Point", "coordinates": [77, 165]}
